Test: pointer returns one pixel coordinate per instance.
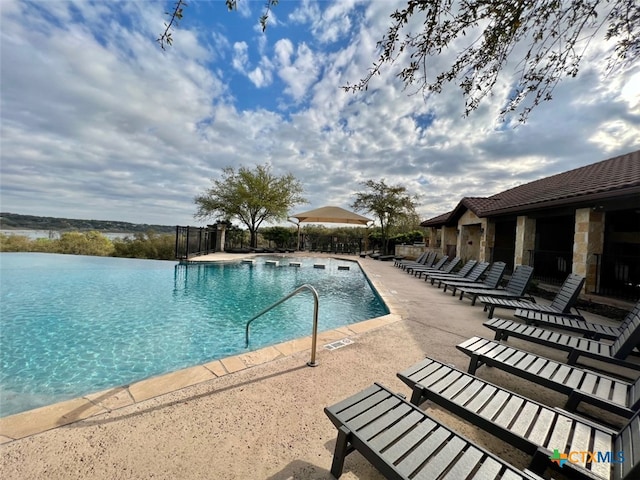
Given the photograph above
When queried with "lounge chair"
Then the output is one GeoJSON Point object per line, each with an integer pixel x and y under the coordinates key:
{"type": "Point", "coordinates": [427, 258]}
{"type": "Point", "coordinates": [563, 302]}
{"type": "Point", "coordinates": [543, 432]}
{"type": "Point", "coordinates": [466, 268]}
{"type": "Point", "coordinates": [445, 268]}
{"type": "Point", "coordinates": [491, 281]}
{"type": "Point", "coordinates": [402, 262]}
{"type": "Point", "coordinates": [581, 385]}
{"type": "Point", "coordinates": [515, 289]}
{"type": "Point", "coordinates": [597, 331]}
{"type": "Point", "coordinates": [439, 265]}
{"type": "Point", "coordinates": [472, 276]}
{"type": "Point", "coordinates": [614, 353]}
{"type": "Point", "coordinates": [403, 442]}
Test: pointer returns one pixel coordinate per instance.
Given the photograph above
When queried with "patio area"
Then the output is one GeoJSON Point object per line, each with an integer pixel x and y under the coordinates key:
{"type": "Point", "coordinates": [264, 419]}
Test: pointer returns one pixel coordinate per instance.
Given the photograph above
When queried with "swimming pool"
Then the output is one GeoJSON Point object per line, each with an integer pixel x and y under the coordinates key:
{"type": "Point", "coordinates": [71, 325]}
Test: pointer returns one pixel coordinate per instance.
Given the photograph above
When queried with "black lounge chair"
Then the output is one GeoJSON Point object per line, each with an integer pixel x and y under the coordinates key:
{"type": "Point", "coordinates": [402, 262]}
{"type": "Point", "coordinates": [491, 281]}
{"type": "Point", "coordinates": [403, 442]}
{"type": "Point", "coordinates": [563, 302]}
{"type": "Point", "coordinates": [472, 276]}
{"type": "Point", "coordinates": [597, 331]}
{"type": "Point", "coordinates": [438, 268]}
{"type": "Point", "coordinates": [614, 353]}
{"type": "Point", "coordinates": [515, 289]}
{"type": "Point", "coordinates": [534, 428]}
{"type": "Point", "coordinates": [465, 270]}
{"type": "Point", "coordinates": [439, 265]}
{"type": "Point", "coordinates": [581, 385]}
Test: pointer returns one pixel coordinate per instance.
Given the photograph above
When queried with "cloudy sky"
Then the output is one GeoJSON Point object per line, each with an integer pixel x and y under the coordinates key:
{"type": "Point", "coordinates": [98, 122]}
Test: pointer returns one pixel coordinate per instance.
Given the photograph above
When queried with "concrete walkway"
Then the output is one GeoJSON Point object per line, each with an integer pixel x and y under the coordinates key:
{"type": "Point", "coordinates": [266, 421]}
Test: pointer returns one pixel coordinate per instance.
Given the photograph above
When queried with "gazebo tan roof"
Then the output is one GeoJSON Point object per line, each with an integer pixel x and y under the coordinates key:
{"type": "Point", "coordinates": [331, 214]}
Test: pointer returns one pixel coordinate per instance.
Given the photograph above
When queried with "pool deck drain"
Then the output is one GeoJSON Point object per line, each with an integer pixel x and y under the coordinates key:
{"type": "Point", "coordinates": [338, 344]}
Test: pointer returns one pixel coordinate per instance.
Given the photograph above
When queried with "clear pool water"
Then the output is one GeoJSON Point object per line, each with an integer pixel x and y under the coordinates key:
{"type": "Point", "coordinates": [71, 325]}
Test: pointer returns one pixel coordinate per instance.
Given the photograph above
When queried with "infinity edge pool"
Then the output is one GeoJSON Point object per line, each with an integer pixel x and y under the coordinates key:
{"type": "Point", "coordinates": [34, 421]}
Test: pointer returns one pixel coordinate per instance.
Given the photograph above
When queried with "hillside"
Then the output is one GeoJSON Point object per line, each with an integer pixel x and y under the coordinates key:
{"type": "Point", "coordinates": [15, 221]}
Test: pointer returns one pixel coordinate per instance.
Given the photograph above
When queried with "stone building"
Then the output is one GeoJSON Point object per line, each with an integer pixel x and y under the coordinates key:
{"type": "Point", "coordinates": [585, 221]}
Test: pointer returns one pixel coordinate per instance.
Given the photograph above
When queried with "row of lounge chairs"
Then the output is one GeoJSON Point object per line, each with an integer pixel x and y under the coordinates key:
{"type": "Point", "coordinates": [402, 441]}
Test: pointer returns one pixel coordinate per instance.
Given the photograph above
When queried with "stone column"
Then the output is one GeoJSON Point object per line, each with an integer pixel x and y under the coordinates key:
{"type": "Point", "coordinates": [525, 239]}
{"type": "Point", "coordinates": [487, 240]}
{"type": "Point", "coordinates": [588, 240]}
{"type": "Point", "coordinates": [221, 229]}
{"type": "Point", "coordinates": [449, 237]}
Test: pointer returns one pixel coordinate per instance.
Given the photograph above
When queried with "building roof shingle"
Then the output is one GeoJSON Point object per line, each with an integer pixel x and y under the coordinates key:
{"type": "Point", "coordinates": [618, 176]}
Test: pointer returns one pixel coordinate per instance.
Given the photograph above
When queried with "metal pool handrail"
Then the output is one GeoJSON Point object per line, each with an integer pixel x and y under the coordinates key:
{"type": "Point", "coordinates": [314, 334]}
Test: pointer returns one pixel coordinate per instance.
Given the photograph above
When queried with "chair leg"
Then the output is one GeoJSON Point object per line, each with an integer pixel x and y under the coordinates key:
{"type": "Point", "coordinates": [340, 452]}
{"type": "Point", "coordinates": [416, 394]}
{"type": "Point", "coordinates": [573, 357]}
{"type": "Point", "coordinates": [474, 363]}
{"type": "Point", "coordinates": [500, 335]}
{"type": "Point", "coordinates": [573, 401]}
{"type": "Point", "coordinates": [539, 462]}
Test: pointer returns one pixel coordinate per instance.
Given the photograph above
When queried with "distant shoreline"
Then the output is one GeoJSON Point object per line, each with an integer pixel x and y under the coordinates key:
{"type": "Point", "coordinates": [11, 222]}
{"type": "Point", "coordinates": [33, 234]}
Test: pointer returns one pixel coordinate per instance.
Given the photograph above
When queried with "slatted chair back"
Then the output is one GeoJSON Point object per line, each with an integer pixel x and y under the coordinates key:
{"type": "Point", "coordinates": [431, 257]}
{"type": "Point", "coordinates": [438, 265]}
{"type": "Point", "coordinates": [477, 271]}
{"type": "Point", "coordinates": [466, 269]}
{"type": "Point", "coordinates": [629, 337]}
{"type": "Point", "coordinates": [631, 316]}
{"type": "Point", "coordinates": [422, 258]}
{"type": "Point", "coordinates": [628, 442]}
{"type": "Point", "coordinates": [451, 265]}
{"type": "Point", "coordinates": [520, 280]}
{"type": "Point", "coordinates": [567, 296]}
{"type": "Point", "coordinates": [634, 395]}
{"type": "Point", "coordinates": [494, 275]}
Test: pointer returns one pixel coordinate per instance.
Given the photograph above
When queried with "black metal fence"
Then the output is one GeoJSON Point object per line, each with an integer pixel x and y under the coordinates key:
{"type": "Point", "coordinates": [331, 244]}
{"type": "Point", "coordinates": [551, 267]}
{"type": "Point", "coordinates": [191, 241]}
{"type": "Point", "coordinates": [618, 276]}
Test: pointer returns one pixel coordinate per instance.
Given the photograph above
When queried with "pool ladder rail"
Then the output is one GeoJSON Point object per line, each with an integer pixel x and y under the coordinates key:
{"type": "Point", "coordinates": [314, 334]}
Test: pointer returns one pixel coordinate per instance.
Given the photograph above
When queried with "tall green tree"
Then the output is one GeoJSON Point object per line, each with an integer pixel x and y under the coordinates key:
{"type": "Point", "coordinates": [545, 39]}
{"type": "Point", "coordinates": [251, 196]}
{"type": "Point", "coordinates": [389, 203]}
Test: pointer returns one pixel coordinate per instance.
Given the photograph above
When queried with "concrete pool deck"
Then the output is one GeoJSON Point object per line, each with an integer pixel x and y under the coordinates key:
{"type": "Point", "coordinates": [260, 414]}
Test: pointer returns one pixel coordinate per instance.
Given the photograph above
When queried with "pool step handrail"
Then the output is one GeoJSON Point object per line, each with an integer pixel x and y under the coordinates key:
{"type": "Point", "coordinates": [314, 334]}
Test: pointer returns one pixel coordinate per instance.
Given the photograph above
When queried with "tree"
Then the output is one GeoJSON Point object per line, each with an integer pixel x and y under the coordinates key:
{"type": "Point", "coordinates": [389, 203]}
{"type": "Point", "coordinates": [84, 243]}
{"type": "Point", "coordinates": [177, 13]}
{"type": "Point", "coordinates": [280, 235]}
{"type": "Point", "coordinates": [546, 39]}
{"type": "Point", "coordinates": [250, 196]}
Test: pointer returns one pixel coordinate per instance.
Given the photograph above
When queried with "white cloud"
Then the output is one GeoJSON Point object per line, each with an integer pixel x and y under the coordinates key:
{"type": "Point", "coordinates": [299, 69]}
{"type": "Point", "coordinates": [240, 56]}
{"type": "Point", "coordinates": [98, 122]}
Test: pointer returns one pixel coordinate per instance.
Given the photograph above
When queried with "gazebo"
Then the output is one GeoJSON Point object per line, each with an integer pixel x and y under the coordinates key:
{"type": "Point", "coordinates": [329, 214]}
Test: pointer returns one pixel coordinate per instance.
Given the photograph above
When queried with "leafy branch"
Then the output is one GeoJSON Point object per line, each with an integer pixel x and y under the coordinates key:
{"type": "Point", "coordinates": [555, 33]}
{"type": "Point", "coordinates": [175, 16]}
